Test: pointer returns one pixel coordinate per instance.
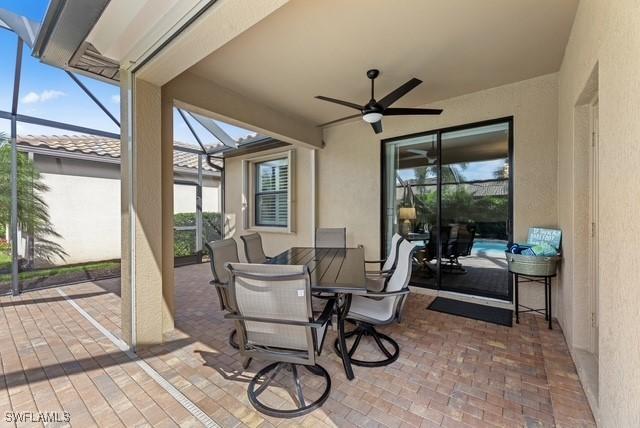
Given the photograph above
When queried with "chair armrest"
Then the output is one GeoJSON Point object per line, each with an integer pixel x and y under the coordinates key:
{"type": "Point", "coordinates": [313, 324]}
{"type": "Point", "coordinates": [218, 284]}
{"type": "Point", "coordinates": [378, 272]}
{"type": "Point", "coordinates": [386, 293]}
{"type": "Point", "coordinates": [326, 312]}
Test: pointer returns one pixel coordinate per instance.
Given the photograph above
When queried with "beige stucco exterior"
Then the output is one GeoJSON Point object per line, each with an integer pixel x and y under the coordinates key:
{"type": "Point", "coordinates": [147, 213]}
{"type": "Point", "coordinates": [88, 216]}
{"type": "Point", "coordinates": [606, 38]}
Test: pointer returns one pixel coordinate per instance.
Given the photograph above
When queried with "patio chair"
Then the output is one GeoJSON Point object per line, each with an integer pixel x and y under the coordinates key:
{"type": "Point", "coordinates": [331, 237]}
{"type": "Point", "coordinates": [430, 252]}
{"type": "Point", "coordinates": [459, 244]}
{"type": "Point", "coordinates": [377, 278]}
{"type": "Point", "coordinates": [380, 308]}
{"type": "Point", "coordinates": [221, 253]}
{"type": "Point", "coordinates": [275, 322]}
{"type": "Point", "coordinates": [253, 249]}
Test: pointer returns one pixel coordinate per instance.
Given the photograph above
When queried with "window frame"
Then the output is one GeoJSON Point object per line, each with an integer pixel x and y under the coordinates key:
{"type": "Point", "coordinates": [250, 206]}
{"type": "Point", "coordinates": [256, 194]}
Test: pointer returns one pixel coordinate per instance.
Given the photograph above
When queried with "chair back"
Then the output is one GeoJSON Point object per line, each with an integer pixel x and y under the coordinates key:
{"type": "Point", "coordinates": [277, 299]}
{"type": "Point", "coordinates": [400, 277]}
{"type": "Point", "coordinates": [431, 250]}
{"type": "Point", "coordinates": [221, 253]}
{"type": "Point", "coordinates": [253, 248]}
{"type": "Point", "coordinates": [388, 308]}
{"type": "Point", "coordinates": [331, 237]}
{"type": "Point", "coordinates": [392, 259]}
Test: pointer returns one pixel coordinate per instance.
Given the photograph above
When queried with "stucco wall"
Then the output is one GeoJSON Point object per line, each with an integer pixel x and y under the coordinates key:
{"type": "Point", "coordinates": [606, 36]}
{"type": "Point", "coordinates": [84, 205]}
{"type": "Point", "coordinates": [349, 165]}
{"type": "Point", "coordinates": [273, 242]}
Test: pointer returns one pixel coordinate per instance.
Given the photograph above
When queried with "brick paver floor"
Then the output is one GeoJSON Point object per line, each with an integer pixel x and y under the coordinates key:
{"type": "Point", "coordinates": [451, 372]}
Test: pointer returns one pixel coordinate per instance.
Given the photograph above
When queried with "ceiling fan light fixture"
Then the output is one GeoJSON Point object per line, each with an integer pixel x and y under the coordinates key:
{"type": "Point", "coordinates": [372, 117]}
{"type": "Point", "coordinates": [373, 111]}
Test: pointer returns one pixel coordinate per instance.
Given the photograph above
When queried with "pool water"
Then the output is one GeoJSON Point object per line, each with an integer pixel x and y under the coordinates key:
{"type": "Point", "coordinates": [488, 248]}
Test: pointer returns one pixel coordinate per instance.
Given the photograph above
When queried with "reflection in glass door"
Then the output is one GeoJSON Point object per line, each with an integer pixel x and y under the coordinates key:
{"type": "Point", "coordinates": [450, 192]}
{"type": "Point", "coordinates": [474, 212]}
{"type": "Point", "coordinates": [411, 195]}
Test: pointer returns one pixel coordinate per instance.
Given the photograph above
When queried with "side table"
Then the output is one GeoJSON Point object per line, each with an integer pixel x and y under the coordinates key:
{"type": "Point", "coordinates": [546, 280]}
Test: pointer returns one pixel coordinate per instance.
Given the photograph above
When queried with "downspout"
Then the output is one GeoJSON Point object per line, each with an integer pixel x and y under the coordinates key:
{"type": "Point", "coordinates": [314, 189]}
{"type": "Point", "coordinates": [221, 170]}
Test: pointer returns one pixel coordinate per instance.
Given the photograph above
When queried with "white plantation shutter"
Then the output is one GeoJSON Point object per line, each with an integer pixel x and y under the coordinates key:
{"type": "Point", "coordinates": [271, 193]}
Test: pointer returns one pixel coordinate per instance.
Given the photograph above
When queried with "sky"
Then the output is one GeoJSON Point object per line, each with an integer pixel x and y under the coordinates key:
{"type": "Point", "coordinates": [49, 93]}
{"type": "Point", "coordinates": [472, 171]}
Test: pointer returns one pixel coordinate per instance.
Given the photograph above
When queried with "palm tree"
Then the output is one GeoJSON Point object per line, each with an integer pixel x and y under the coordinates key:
{"type": "Point", "coordinates": [33, 211]}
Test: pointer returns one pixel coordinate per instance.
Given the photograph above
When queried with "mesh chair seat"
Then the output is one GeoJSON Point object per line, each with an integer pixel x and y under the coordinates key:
{"type": "Point", "coordinates": [275, 322]}
{"type": "Point", "coordinates": [378, 311]}
{"type": "Point", "coordinates": [378, 308]}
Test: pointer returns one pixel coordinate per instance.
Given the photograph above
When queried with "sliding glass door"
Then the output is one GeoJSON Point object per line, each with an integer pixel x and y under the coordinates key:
{"type": "Point", "coordinates": [411, 198]}
{"type": "Point", "coordinates": [450, 192]}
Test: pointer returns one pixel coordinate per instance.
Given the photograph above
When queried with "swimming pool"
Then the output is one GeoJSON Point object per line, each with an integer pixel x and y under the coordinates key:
{"type": "Point", "coordinates": [488, 248]}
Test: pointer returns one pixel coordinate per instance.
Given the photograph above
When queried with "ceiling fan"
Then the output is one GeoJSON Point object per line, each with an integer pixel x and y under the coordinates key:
{"type": "Point", "coordinates": [429, 155]}
{"type": "Point", "coordinates": [373, 111]}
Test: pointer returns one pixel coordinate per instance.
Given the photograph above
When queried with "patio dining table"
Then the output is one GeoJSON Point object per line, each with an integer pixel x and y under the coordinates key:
{"type": "Point", "coordinates": [339, 271]}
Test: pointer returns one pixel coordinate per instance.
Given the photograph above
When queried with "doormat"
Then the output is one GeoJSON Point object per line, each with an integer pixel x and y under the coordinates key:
{"type": "Point", "coordinates": [474, 311]}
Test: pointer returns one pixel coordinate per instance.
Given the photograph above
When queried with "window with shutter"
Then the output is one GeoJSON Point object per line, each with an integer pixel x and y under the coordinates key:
{"type": "Point", "coordinates": [271, 192]}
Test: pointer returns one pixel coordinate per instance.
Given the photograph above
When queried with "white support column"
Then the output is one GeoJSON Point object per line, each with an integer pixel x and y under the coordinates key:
{"type": "Point", "coordinates": [147, 209]}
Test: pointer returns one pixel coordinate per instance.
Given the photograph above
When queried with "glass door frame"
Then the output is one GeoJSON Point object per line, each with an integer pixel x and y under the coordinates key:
{"type": "Point", "coordinates": [438, 133]}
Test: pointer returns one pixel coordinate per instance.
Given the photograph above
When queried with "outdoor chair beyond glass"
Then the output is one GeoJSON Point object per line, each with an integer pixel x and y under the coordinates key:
{"type": "Point", "coordinates": [331, 237]}
{"type": "Point", "coordinates": [460, 244]}
{"type": "Point", "coordinates": [221, 253]}
{"type": "Point", "coordinates": [380, 308]}
{"type": "Point", "coordinates": [275, 322]}
{"type": "Point", "coordinates": [253, 249]}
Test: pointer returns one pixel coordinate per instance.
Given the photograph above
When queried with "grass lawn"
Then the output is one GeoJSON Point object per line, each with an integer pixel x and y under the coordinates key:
{"type": "Point", "coordinates": [62, 270]}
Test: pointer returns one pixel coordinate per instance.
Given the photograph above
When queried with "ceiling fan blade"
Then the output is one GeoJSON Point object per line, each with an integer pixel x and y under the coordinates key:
{"type": "Point", "coordinates": [343, 103]}
{"type": "Point", "coordinates": [377, 126]}
{"type": "Point", "coordinates": [394, 96]}
{"type": "Point", "coordinates": [339, 120]}
{"type": "Point", "coordinates": [410, 111]}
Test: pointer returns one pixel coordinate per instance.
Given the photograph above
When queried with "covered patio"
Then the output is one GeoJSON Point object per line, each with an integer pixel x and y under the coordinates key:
{"type": "Point", "coordinates": [61, 353]}
{"type": "Point", "coordinates": [485, 121]}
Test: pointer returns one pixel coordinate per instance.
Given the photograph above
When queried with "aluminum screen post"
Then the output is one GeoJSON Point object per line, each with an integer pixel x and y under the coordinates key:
{"type": "Point", "coordinates": [15, 285]}
{"type": "Point", "coordinates": [199, 209]}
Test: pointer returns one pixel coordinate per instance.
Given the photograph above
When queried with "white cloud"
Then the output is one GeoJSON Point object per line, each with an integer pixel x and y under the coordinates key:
{"type": "Point", "coordinates": [46, 95]}
{"type": "Point", "coordinates": [31, 98]}
{"type": "Point", "coordinates": [115, 99]}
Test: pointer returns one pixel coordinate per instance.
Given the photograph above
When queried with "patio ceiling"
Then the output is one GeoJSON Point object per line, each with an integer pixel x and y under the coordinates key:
{"type": "Point", "coordinates": [456, 47]}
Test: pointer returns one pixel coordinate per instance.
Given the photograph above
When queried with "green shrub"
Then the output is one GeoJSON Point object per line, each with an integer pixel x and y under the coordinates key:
{"type": "Point", "coordinates": [184, 241]}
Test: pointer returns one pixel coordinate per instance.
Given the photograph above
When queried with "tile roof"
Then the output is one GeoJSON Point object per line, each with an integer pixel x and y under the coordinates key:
{"type": "Point", "coordinates": [497, 187]}
{"type": "Point", "coordinates": [101, 147]}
